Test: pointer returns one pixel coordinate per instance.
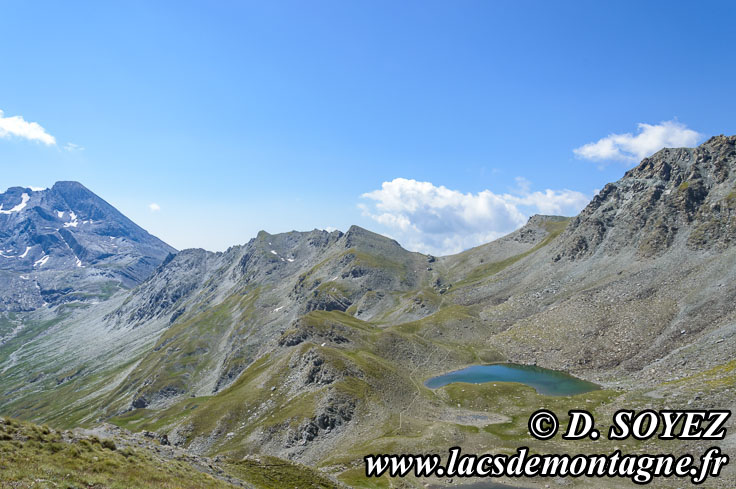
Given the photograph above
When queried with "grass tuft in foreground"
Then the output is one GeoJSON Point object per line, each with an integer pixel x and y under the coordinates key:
{"type": "Point", "coordinates": [39, 457]}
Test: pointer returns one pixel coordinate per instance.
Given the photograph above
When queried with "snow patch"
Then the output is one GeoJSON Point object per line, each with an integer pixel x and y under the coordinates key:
{"type": "Point", "coordinates": [272, 251]}
{"type": "Point", "coordinates": [79, 262]}
{"type": "Point", "coordinates": [25, 252]}
{"type": "Point", "coordinates": [42, 261]}
{"type": "Point", "coordinates": [278, 309]}
{"type": "Point", "coordinates": [290, 260]}
{"type": "Point", "coordinates": [23, 202]}
{"type": "Point", "coordinates": [73, 223]}
{"type": "Point", "coordinates": [60, 214]}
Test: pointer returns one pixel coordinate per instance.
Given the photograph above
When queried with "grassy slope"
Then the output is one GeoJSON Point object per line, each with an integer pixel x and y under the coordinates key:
{"type": "Point", "coordinates": [272, 473]}
{"type": "Point", "coordinates": [383, 357]}
{"type": "Point", "coordinates": [36, 456]}
{"type": "Point", "coordinates": [376, 353]}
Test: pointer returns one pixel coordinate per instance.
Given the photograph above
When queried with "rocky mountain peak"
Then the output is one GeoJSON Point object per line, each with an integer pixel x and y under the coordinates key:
{"type": "Point", "coordinates": [677, 197]}
{"type": "Point", "coordinates": [712, 161]}
{"type": "Point", "coordinates": [70, 186]}
{"type": "Point", "coordinates": [541, 219]}
{"type": "Point", "coordinates": [358, 237]}
{"type": "Point", "coordinates": [68, 231]}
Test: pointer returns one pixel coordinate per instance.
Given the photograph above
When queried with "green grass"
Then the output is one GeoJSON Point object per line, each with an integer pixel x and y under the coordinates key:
{"type": "Point", "coordinates": [332, 290]}
{"type": "Point", "coordinates": [176, 364]}
{"type": "Point", "coordinates": [180, 356]}
{"type": "Point", "coordinates": [359, 258]}
{"type": "Point", "coordinates": [356, 478]}
{"type": "Point", "coordinates": [326, 319]}
{"type": "Point", "coordinates": [32, 454]}
{"type": "Point", "coordinates": [224, 411]}
{"type": "Point", "coordinates": [6, 323]}
{"type": "Point", "coordinates": [253, 387]}
{"type": "Point", "coordinates": [445, 317]}
{"type": "Point", "coordinates": [266, 472]}
{"type": "Point", "coordinates": [376, 261]}
{"type": "Point", "coordinates": [419, 434]}
{"type": "Point", "coordinates": [36, 456]}
{"type": "Point", "coordinates": [716, 378]}
{"type": "Point", "coordinates": [487, 270]}
{"type": "Point", "coordinates": [517, 402]}
{"type": "Point", "coordinates": [317, 326]}
{"type": "Point", "coordinates": [260, 383]}
{"type": "Point", "coordinates": [30, 331]}
{"type": "Point", "coordinates": [731, 197]}
{"type": "Point", "coordinates": [205, 412]}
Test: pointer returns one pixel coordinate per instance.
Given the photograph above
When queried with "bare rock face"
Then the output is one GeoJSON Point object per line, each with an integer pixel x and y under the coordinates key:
{"type": "Point", "coordinates": [682, 195]}
{"type": "Point", "coordinates": [333, 413]}
{"type": "Point", "coordinates": [303, 330]}
{"type": "Point", "coordinates": [67, 244]}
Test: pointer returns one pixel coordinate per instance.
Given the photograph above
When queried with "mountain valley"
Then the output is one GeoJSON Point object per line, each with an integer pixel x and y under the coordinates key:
{"type": "Point", "coordinates": [312, 348]}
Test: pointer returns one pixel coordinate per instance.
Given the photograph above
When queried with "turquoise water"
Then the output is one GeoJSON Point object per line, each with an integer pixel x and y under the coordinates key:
{"type": "Point", "coordinates": [545, 381]}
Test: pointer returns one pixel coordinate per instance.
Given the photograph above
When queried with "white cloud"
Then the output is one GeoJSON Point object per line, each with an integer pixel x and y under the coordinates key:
{"type": "Point", "coordinates": [633, 148]}
{"type": "Point", "coordinates": [154, 207]}
{"type": "Point", "coordinates": [438, 220]}
{"type": "Point", "coordinates": [19, 127]}
{"type": "Point", "coordinates": [73, 147]}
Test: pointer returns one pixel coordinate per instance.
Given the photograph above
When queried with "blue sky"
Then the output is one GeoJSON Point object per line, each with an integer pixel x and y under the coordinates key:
{"type": "Point", "coordinates": [443, 124]}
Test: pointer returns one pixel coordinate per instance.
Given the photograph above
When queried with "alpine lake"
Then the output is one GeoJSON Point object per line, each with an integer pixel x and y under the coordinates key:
{"type": "Point", "coordinates": [544, 381]}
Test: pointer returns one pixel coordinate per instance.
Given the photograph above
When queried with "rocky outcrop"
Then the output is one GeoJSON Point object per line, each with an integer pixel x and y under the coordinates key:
{"type": "Point", "coordinates": [683, 195]}
{"type": "Point", "coordinates": [333, 414]}
{"type": "Point", "coordinates": [304, 330]}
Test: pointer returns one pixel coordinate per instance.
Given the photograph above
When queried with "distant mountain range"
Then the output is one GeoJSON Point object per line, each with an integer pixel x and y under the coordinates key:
{"type": "Point", "coordinates": [66, 243]}
{"type": "Point", "coordinates": [314, 346]}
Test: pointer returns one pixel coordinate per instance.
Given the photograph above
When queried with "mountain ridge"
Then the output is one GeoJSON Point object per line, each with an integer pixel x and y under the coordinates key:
{"type": "Point", "coordinates": [59, 241]}
{"type": "Point", "coordinates": [314, 346]}
{"type": "Point", "coordinates": [656, 202]}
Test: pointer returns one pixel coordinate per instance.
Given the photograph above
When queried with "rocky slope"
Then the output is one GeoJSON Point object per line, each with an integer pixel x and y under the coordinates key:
{"type": "Point", "coordinates": [314, 346]}
{"type": "Point", "coordinates": [678, 197]}
{"type": "Point", "coordinates": [41, 457]}
{"type": "Point", "coordinates": [65, 243]}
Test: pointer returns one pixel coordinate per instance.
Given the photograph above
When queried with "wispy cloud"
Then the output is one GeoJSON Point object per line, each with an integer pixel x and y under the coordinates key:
{"type": "Point", "coordinates": [434, 219]}
{"type": "Point", "coordinates": [16, 126]}
{"type": "Point", "coordinates": [633, 148]}
{"type": "Point", "coordinates": [73, 147]}
{"type": "Point", "coordinates": [154, 207]}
